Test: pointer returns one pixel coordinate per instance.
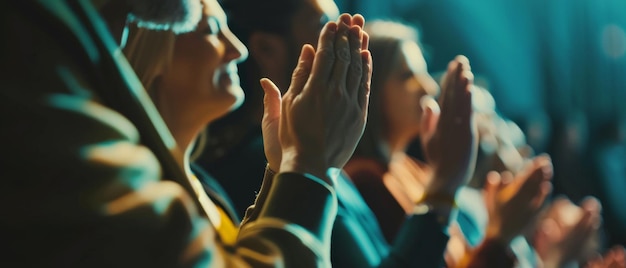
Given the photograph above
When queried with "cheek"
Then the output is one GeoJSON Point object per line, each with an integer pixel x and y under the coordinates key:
{"type": "Point", "coordinates": [196, 54]}
{"type": "Point", "coordinates": [407, 103]}
{"type": "Point", "coordinates": [401, 108]}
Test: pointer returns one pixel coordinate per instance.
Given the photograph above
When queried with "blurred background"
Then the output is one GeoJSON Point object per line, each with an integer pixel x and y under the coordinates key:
{"type": "Point", "coordinates": [557, 68]}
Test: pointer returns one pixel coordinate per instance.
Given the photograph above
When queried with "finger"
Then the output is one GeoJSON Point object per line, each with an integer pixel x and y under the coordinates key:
{"type": "Point", "coordinates": [550, 230]}
{"type": "Point", "coordinates": [270, 88]}
{"type": "Point", "coordinates": [430, 116]}
{"type": "Point", "coordinates": [531, 182]}
{"type": "Point", "coordinates": [591, 204]}
{"type": "Point", "coordinates": [492, 184]}
{"type": "Point", "coordinates": [507, 179]}
{"type": "Point", "coordinates": [447, 80]}
{"type": "Point", "coordinates": [456, 99]}
{"type": "Point", "coordinates": [271, 101]}
{"type": "Point", "coordinates": [582, 230]}
{"type": "Point", "coordinates": [355, 70]}
{"type": "Point", "coordinates": [342, 59]}
{"type": "Point", "coordinates": [366, 77]}
{"type": "Point", "coordinates": [545, 188]}
{"type": "Point", "coordinates": [557, 204]}
{"type": "Point", "coordinates": [303, 70]}
{"type": "Point", "coordinates": [345, 18]}
{"type": "Point", "coordinates": [619, 256]}
{"type": "Point", "coordinates": [358, 20]}
{"type": "Point", "coordinates": [527, 186]}
{"type": "Point", "coordinates": [450, 79]}
{"type": "Point", "coordinates": [546, 166]}
{"type": "Point", "coordinates": [539, 168]}
{"type": "Point", "coordinates": [325, 55]}
{"type": "Point", "coordinates": [365, 42]}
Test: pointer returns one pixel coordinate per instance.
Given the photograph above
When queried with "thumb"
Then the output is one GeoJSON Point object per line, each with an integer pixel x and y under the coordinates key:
{"type": "Point", "coordinates": [271, 101]}
{"type": "Point", "coordinates": [430, 116]}
{"type": "Point", "coordinates": [492, 184]}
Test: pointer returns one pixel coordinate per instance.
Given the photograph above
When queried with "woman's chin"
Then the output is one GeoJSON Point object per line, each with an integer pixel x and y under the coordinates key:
{"type": "Point", "coordinates": [238, 97]}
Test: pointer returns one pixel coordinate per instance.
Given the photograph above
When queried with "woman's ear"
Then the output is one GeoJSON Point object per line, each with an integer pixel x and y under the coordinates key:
{"type": "Point", "coordinates": [268, 50]}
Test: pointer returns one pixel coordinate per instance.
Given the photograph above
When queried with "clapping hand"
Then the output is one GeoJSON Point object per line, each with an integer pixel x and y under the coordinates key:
{"type": "Point", "coordinates": [322, 116]}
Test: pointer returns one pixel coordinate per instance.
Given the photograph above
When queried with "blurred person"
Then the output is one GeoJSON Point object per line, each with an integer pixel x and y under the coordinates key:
{"type": "Point", "coordinates": [566, 235]}
{"type": "Point", "coordinates": [414, 211]}
{"type": "Point", "coordinates": [503, 149]}
{"type": "Point", "coordinates": [403, 108]}
{"type": "Point", "coordinates": [81, 191]}
{"type": "Point", "coordinates": [274, 31]}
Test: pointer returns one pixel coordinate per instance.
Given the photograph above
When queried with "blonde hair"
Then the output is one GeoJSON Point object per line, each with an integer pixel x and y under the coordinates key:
{"type": "Point", "coordinates": [150, 53]}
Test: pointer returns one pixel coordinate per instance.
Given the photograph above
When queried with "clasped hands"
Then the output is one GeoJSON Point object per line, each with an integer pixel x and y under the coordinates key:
{"type": "Point", "coordinates": [320, 119]}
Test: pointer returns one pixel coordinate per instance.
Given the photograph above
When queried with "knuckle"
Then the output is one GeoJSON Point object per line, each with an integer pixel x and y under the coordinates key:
{"type": "Point", "coordinates": [326, 53]}
{"type": "Point", "coordinates": [299, 72]}
{"type": "Point", "coordinates": [343, 54]}
{"type": "Point", "coordinates": [357, 70]}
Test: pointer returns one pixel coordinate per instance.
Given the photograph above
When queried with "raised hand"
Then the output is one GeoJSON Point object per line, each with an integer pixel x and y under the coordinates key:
{"type": "Point", "coordinates": [451, 149]}
{"type": "Point", "coordinates": [614, 258]}
{"type": "Point", "coordinates": [513, 203]}
{"type": "Point", "coordinates": [568, 233]}
{"type": "Point", "coordinates": [323, 114]}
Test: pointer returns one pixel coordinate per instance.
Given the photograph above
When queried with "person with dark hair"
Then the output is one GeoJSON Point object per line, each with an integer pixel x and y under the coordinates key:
{"type": "Point", "coordinates": [274, 31]}
{"type": "Point", "coordinates": [81, 188]}
{"type": "Point", "coordinates": [397, 188]}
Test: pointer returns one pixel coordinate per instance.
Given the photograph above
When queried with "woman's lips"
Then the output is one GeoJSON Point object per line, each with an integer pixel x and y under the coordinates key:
{"type": "Point", "coordinates": [228, 79]}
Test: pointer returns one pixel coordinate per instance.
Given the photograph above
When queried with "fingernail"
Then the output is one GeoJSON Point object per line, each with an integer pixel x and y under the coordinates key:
{"type": "Point", "coordinates": [346, 19]}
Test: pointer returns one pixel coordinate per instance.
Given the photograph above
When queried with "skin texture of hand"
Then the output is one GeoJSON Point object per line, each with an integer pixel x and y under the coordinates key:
{"type": "Point", "coordinates": [568, 233]}
{"type": "Point", "coordinates": [272, 101]}
{"type": "Point", "coordinates": [614, 258]}
{"type": "Point", "coordinates": [322, 115]}
{"type": "Point", "coordinates": [269, 125]}
{"type": "Point", "coordinates": [451, 149]}
{"type": "Point", "coordinates": [513, 203]}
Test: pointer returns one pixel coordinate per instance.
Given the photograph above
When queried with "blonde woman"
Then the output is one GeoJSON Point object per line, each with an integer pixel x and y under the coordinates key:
{"type": "Point", "coordinates": [192, 79]}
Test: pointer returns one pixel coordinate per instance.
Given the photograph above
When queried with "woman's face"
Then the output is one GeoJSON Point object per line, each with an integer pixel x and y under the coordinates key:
{"type": "Point", "coordinates": [201, 82]}
{"type": "Point", "coordinates": [408, 82]}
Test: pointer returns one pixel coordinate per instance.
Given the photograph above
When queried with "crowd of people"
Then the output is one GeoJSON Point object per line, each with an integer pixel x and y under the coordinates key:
{"type": "Point", "coordinates": [246, 133]}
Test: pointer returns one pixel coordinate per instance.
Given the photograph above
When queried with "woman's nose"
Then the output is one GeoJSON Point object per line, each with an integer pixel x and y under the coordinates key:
{"type": "Point", "coordinates": [236, 49]}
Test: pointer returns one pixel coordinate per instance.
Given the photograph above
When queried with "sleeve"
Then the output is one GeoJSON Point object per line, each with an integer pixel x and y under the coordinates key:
{"type": "Point", "coordinates": [79, 191]}
{"type": "Point", "coordinates": [421, 242]}
{"type": "Point", "coordinates": [358, 242]}
{"type": "Point", "coordinates": [296, 212]}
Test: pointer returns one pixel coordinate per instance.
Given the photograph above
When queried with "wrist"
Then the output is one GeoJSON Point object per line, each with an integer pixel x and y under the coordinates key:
{"type": "Point", "coordinates": [496, 234]}
{"type": "Point", "coordinates": [303, 165]}
{"type": "Point", "coordinates": [445, 183]}
{"type": "Point", "coordinates": [273, 167]}
{"type": "Point", "coordinates": [441, 204]}
{"type": "Point", "coordinates": [269, 171]}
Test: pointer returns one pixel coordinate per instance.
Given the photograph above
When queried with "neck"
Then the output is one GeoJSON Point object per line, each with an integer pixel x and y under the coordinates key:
{"type": "Point", "coordinates": [185, 135]}
{"type": "Point", "coordinates": [115, 13]}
